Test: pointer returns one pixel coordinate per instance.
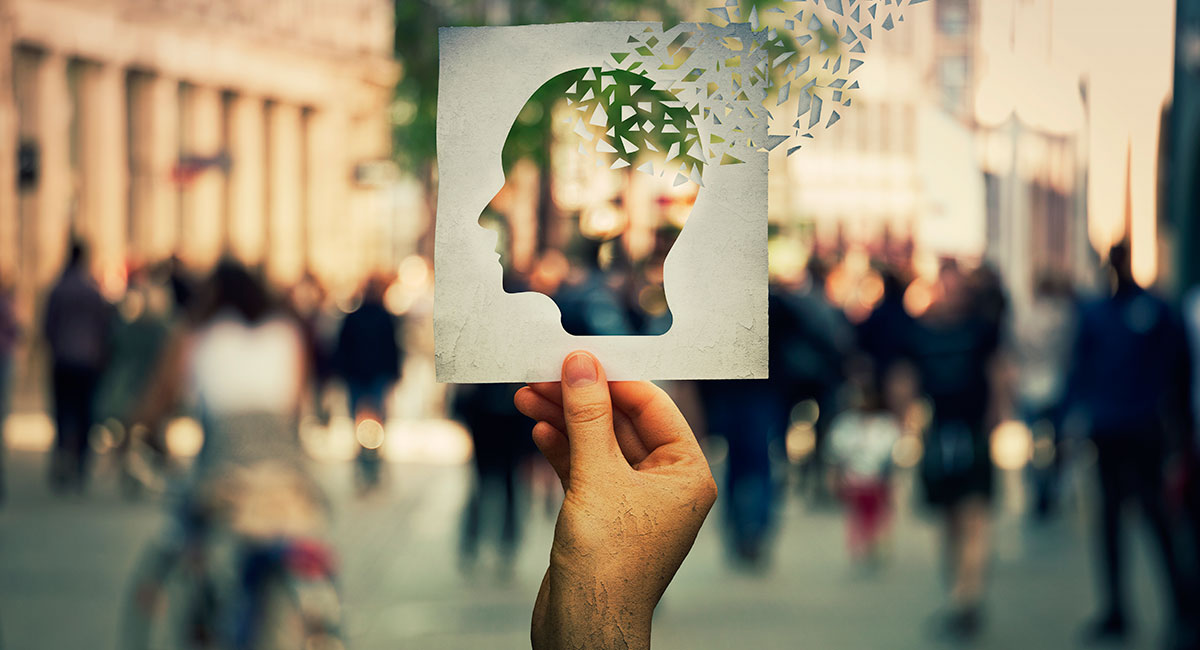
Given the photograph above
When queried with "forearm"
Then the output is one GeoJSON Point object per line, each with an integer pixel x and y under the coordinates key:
{"type": "Point", "coordinates": [586, 614]}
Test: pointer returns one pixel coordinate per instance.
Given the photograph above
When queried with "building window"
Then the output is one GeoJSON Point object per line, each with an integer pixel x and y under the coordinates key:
{"type": "Point", "coordinates": [992, 186]}
{"type": "Point", "coordinates": [953, 17]}
{"type": "Point", "coordinates": [952, 81]}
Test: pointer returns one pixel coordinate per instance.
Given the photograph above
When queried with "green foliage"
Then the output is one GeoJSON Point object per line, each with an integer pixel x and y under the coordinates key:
{"type": "Point", "coordinates": [414, 110]}
{"type": "Point", "coordinates": [638, 123]}
{"type": "Point", "coordinates": [417, 22]}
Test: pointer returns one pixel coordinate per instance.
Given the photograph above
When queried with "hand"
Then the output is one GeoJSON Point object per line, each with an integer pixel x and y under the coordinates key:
{"type": "Point", "coordinates": [637, 491]}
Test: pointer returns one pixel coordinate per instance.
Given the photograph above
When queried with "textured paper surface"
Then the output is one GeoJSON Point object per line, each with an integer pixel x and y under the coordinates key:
{"type": "Point", "coordinates": [715, 275]}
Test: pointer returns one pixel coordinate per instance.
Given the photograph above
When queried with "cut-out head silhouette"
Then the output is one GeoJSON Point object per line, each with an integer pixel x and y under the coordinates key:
{"type": "Point", "coordinates": [601, 170]}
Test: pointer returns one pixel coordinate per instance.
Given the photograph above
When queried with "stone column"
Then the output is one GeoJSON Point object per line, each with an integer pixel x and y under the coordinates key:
{"type": "Point", "coordinates": [327, 176]}
{"type": "Point", "coordinates": [45, 122]}
{"type": "Point", "coordinates": [203, 195]}
{"type": "Point", "coordinates": [371, 140]}
{"type": "Point", "coordinates": [285, 238]}
{"type": "Point", "coordinates": [103, 167]}
{"type": "Point", "coordinates": [155, 142]}
{"type": "Point", "coordinates": [247, 179]}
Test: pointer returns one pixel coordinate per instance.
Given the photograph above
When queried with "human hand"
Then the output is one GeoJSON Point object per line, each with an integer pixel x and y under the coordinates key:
{"type": "Point", "coordinates": [637, 491]}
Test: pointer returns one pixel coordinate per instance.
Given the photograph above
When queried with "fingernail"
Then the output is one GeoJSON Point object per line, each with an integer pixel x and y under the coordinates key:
{"type": "Point", "coordinates": [580, 370]}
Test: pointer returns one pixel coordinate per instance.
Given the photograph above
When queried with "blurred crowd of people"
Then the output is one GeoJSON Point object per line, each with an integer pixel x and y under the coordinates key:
{"type": "Point", "coordinates": [940, 367]}
{"type": "Point", "coordinates": [246, 363]}
{"type": "Point", "coordinates": [122, 368]}
{"type": "Point", "coordinates": [910, 371]}
{"type": "Point", "coordinates": [879, 367]}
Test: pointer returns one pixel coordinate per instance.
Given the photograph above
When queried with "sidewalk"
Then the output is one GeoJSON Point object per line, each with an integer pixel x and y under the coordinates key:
{"type": "Point", "coordinates": [64, 565]}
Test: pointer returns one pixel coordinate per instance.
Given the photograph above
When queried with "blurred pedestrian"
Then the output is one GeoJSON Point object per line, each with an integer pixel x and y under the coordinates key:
{"type": "Point", "coordinates": [589, 304]}
{"type": "Point", "coordinates": [752, 415]}
{"type": "Point", "coordinates": [78, 327]}
{"type": "Point", "coordinates": [954, 346]}
{"type": "Point", "coordinates": [10, 335]}
{"type": "Point", "coordinates": [1187, 470]}
{"type": "Point", "coordinates": [860, 444]}
{"type": "Point", "coordinates": [307, 301]}
{"type": "Point", "coordinates": [183, 285]}
{"type": "Point", "coordinates": [140, 332]}
{"type": "Point", "coordinates": [239, 366]}
{"type": "Point", "coordinates": [369, 359]}
{"type": "Point", "coordinates": [1128, 380]}
{"type": "Point", "coordinates": [1042, 337]}
{"type": "Point", "coordinates": [807, 363]}
{"type": "Point", "coordinates": [748, 415]}
{"type": "Point", "coordinates": [885, 333]}
{"type": "Point", "coordinates": [499, 436]}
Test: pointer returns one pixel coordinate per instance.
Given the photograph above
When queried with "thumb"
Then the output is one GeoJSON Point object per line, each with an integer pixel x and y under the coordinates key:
{"type": "Point", "coordinates": [587, 409]}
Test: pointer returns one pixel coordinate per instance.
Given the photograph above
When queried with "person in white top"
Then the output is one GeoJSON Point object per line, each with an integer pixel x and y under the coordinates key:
{"type": "Point", "coordinates": [860, 446]}
{"type": "Point", "coordinates": [239, 366]}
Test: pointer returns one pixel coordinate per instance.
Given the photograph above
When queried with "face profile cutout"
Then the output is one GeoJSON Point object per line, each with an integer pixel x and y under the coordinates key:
{"type": "Point", "coordinates": [601, 172]}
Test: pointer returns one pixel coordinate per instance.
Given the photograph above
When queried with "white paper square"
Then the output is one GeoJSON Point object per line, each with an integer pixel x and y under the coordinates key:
{"type": "Point", "coordinates": [715, 276]}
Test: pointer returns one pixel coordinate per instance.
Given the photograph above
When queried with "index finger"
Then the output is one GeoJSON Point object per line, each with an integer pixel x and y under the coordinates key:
{"type": "Point", "coordinates": [653, 413]}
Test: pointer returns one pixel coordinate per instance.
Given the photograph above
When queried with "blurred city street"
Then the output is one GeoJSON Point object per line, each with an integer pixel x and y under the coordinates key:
{"type": "Point", "coordinates": [65, 567]}
{"type": "Point", "coordinates": [273, 273]}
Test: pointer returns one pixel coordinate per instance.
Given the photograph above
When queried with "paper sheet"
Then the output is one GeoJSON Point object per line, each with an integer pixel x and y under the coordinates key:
{"type": "Point", "coordinates": [715, 275]}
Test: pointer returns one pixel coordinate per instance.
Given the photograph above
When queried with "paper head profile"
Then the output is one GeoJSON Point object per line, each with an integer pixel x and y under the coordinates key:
{"type": "Point", "coordinates": [616, 166]}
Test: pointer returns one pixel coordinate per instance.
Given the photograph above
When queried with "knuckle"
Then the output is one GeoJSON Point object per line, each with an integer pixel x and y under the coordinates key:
{"type": "Point", "coordinates": [588, 413]}
{"type": "Point", "coordinates": [706, 489]}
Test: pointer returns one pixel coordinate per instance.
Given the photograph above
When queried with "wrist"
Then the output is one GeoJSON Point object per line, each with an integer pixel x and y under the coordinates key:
{"type": "Point", "coordinates": [580, 610]}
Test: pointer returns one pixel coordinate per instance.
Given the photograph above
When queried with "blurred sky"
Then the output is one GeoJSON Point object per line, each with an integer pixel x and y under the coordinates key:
{"type": "Point", "coordinates": [1124, 51]}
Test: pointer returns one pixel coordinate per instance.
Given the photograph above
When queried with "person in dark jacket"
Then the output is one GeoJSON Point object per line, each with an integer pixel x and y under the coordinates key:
{"type": "Point", "coordinates": [77, 328]}
{"type": "Point", "coordinates": [499, 436]}
{"type": "Point", "coordinates": [369, 359]}
{"type": "Point", "coordinates": [1129, 382]}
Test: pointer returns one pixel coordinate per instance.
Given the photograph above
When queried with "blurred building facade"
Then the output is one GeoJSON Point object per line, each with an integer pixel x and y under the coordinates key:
{"type": "Point", "coordinates": [1030, 120]}
{"type": "Point", "coordinates": [859, 183]}
{"type": "Point", "coordinates": [1183, 192]}
{"type": "Point", "coordinates": [194, 128]}
{"type": "Point", "coordinates": [930, 161]}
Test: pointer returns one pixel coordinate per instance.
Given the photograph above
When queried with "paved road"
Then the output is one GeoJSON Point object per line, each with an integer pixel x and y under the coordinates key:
{"type": "Point", "coordinates": [64, 564]}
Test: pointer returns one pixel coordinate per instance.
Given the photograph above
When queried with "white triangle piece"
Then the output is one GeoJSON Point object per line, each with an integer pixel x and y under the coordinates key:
{"type": "Point", "coordinates": [619, 163]}
{"type": "Point", "coordinates": [629, 146]}
{"type": "Point", "coordinates": [599, 117]}
{"type": "Point", "coordinates": [582, 131]}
